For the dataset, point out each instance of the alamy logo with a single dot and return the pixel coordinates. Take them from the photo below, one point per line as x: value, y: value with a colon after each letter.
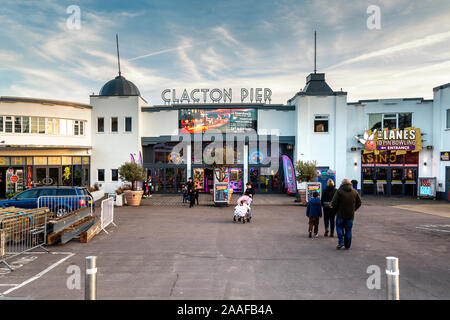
x: 73, y: 22
x: 374, y: 20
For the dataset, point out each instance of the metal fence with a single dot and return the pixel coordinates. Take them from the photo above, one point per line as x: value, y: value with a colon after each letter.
x: 62, y: 205
x: 22, y: 231
x: 107, y: 213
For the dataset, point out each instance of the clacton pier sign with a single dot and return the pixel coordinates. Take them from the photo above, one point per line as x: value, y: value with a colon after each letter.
x: 258, y: 95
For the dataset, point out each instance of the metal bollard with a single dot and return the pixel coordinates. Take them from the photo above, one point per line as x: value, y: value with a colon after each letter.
x: 393, y: 278
x: 90, y: 287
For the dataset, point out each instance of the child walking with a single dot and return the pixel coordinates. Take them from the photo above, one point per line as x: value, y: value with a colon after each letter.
x: 314, y: 212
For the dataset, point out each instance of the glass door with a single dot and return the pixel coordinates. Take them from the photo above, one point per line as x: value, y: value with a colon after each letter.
x: 410, y: 182
x: 368, y: 177
x: 41, y: 175
x: 396, y: 181
x: 53, y: 176
x: 381, y: 176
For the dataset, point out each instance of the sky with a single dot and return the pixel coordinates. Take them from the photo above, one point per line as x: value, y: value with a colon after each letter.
x: 224, y: 44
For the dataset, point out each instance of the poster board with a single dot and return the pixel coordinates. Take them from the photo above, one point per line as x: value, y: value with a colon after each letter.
x: 311, y: 187
x: 427, y: 187
x: 221, y: 194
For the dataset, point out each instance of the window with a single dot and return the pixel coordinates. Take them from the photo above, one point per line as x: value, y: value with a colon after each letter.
x: 1, y: 123
x: 114, y: 175
x: 390, y: 121
x: 128, y: 124
x: 63, y: 127
x: 448, y: 119
x: 381, y: 121
x: 26, y: 124
x: 114, y: 124
x: 375, y: 121
x: 34, y: 124
x: 29, y: 194
x: 101, y: 175
x: 49, y: 126
x: 76, y: 128
x: 42, y: 125
x: 69, y: 127
x: 404, y: 120
x: 100, y: 124
x: 18, y: 124
x: 81, y: 128
x: 47, y: 192
x: 8, y: 124
x: 66, y: 192
x: 320, y: 123
x: 55, y: 126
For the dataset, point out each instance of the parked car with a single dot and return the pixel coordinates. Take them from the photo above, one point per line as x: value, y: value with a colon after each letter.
x: 60, y: 200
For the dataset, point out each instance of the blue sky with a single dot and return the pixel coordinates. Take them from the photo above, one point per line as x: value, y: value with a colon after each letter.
x: 208, y: 44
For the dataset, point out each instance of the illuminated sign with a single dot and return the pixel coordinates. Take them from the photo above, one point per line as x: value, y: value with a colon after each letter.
x: 408, y: 139
x: 216, y: 95
x: 445, y: 156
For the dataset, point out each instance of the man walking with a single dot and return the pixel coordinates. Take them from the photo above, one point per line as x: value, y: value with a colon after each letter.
x: 346, y: 201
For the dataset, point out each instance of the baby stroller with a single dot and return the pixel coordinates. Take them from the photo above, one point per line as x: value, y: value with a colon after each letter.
x: 242, y: 210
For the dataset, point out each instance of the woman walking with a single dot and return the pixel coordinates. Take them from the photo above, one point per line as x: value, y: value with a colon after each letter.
x: 329, y: 213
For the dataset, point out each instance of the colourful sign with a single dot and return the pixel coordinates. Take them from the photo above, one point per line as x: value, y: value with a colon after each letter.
x: 445, y: 156
x: 395, y: 140
x: 14, y: 178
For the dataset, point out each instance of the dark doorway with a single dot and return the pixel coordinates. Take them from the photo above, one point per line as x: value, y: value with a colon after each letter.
x: 2, y: 183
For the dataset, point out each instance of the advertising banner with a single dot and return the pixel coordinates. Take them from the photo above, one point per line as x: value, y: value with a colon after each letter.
x: 395, y: 140
x: 311, y: 187
x: 231, y: 120
x: 427, y: 188
x: 221, y: 192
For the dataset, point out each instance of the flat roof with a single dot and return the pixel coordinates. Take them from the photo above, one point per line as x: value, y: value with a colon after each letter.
x: 393, y: 100
x: 232, y: 105
x: 45, y: 101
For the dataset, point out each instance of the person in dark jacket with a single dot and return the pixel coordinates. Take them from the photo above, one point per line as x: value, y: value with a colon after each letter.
x: 329, y: 213
x: 191, y: 192
x: 346, y: 201
x: 314, y: 212
x: 249, y: 191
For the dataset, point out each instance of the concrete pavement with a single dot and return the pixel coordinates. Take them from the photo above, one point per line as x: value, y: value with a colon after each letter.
x: 162, y: 252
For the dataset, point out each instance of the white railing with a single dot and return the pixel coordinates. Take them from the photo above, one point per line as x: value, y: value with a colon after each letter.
x: 62, y: 205
x: 107, y: 213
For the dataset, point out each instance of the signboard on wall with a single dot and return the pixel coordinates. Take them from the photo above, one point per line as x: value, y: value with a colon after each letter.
x: 221, y: 192
x: 231, y: 120
x: 445, y: 156
x: 311, y: 187
x: 400, y: 140
x: 427, y: 188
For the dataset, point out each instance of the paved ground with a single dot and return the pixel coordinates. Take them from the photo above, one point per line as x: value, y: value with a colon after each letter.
x: 165, y: 252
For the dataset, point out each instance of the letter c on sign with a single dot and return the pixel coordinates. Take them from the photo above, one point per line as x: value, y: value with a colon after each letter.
x: 163, y: 95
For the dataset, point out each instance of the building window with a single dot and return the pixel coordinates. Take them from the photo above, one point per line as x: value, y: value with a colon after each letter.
x: 26, y: 124
x: 448, y: 119
x: 50, y: 126
x: 320, y: 123
x: 114, y: 175
x: 76, y: 128
x: 100, y: 124
x: 114, y: 124
x: 381, y: 121
x: 101, y: 174
x: 18, y: 124
x: 42, y: 125
x: 390, y: 121
x: 1, y: 123
x: 81, y: 128
x: 8, y: 125
x: 128, y: 124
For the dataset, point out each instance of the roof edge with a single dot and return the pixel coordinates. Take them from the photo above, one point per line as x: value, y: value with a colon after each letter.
x: 45, y: 101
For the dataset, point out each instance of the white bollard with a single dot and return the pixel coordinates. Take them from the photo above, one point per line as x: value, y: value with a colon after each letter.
x: 393, y: 278
x: 90, y: 287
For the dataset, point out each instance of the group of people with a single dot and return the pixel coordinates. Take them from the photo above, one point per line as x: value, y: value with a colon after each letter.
x: 339, y: 206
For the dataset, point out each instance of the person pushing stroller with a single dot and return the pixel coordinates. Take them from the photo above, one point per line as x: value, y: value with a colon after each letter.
x: 242, y: 210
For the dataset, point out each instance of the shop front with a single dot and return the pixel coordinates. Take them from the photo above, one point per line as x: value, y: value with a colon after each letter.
x: 390, y: 174
x: 19, y: 173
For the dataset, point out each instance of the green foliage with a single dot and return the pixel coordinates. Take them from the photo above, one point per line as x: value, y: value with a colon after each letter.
x: 131, y: 172
x: 306, y: 171
x: 12, y: 194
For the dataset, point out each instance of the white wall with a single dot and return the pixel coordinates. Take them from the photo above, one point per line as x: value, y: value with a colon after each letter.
x: 327, y: 148
x: 51, y: 111
x: 273, y: 119
x: 155, y: 124
x: 111, y: 150
x: 441, y: 134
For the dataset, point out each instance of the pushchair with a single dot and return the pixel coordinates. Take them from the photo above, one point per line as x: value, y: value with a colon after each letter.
x: 242, y: 210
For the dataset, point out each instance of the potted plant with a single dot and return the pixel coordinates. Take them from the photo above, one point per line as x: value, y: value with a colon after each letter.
x: 305, y: 172
x: 132, y: 172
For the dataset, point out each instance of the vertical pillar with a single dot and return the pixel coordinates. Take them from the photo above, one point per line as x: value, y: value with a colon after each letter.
x: 188, y: 161
x: 245, y: 173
